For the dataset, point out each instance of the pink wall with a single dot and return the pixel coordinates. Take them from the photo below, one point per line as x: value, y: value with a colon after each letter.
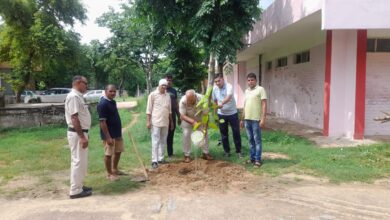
x: 377, y: 92
x: 281, y: 14
x: 295, y: 92
x: 240, y: 83
x: 365, y: 14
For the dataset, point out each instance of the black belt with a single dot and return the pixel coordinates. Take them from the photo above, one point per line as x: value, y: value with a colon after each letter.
x: 73, y: 130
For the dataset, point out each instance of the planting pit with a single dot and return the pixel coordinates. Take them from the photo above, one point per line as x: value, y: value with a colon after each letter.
x: 201, y: 174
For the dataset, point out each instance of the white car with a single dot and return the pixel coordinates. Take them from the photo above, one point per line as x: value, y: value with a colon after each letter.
x: 93, y: 95
x: 54, y: 95
x: 29, y: 96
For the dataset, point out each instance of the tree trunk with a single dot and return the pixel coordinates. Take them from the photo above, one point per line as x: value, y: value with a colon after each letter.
x: 211, y: 70
x: 2, y: 99
x: 148, y: 77
x: 220, y: 68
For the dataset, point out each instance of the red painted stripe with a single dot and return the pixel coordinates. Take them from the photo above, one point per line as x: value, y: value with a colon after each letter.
x: 360, y: 99
x: 328, y: 65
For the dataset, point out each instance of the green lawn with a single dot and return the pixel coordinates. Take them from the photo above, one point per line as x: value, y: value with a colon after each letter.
x: 42, y: 151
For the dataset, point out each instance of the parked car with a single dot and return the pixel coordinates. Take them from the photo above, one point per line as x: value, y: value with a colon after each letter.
x: 54, y: 95
x: 28, y: 96
x: 93, y: 95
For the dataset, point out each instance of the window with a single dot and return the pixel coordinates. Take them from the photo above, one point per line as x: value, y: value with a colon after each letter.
x: 302, y: 57
x: 269, y: 65
x: 282, y: 62
x: 371, y: 45
x: 383, y: 45
x: 378, y: 45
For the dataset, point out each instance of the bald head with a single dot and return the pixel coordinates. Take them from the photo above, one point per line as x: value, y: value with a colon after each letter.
x: 191, y: 97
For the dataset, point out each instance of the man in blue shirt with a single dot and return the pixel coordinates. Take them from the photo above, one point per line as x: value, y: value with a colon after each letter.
x: 175, y: 113
x: 227, y: 111
x: 110, y: 132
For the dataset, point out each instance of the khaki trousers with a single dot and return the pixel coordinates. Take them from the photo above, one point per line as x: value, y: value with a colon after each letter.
x: 187, y: 131
x: 79, y: 162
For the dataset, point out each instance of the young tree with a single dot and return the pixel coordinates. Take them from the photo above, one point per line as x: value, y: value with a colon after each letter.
x: 34, y: 37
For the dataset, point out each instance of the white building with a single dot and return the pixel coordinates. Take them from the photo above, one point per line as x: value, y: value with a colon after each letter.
x: 323, y: 63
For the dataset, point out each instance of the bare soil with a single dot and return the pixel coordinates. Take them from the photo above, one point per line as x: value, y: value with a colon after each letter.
x: 210, y: 190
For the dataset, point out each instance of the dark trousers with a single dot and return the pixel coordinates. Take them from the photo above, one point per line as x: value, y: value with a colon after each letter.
x: 224, y: 129
x: 171, y: 133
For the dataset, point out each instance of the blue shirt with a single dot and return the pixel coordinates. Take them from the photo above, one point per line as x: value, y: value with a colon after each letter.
x: 219, y: 95
x: 108, y: 111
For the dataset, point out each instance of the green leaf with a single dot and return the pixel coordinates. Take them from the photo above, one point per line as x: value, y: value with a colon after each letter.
x: 221, y: 121
x: 213, y: 126
x: 205, y: 119
x: 205, y: 105
x: 196, y: 126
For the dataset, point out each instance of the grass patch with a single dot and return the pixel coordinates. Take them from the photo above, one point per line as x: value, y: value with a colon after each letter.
x: 42, y: 151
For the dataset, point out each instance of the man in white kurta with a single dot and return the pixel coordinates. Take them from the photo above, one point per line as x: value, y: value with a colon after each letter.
x: 159, y: 120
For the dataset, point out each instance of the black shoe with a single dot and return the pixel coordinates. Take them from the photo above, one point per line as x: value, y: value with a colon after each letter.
x: 81, y: 195
x: 86, y: 188
x: 154, y: 165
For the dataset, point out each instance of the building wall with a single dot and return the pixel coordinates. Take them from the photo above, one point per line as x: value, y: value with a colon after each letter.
x: 295, y: 92
x: 377, y: 93
x: 366, y: 14
x: 279, y: 15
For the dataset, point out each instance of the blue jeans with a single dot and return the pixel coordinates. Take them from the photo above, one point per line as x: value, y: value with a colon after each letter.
x: 253, y: 131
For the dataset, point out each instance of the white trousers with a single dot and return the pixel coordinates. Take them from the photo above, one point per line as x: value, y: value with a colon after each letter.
x: 79, y: 163
x: 187, y: 131
x: 159, y: 142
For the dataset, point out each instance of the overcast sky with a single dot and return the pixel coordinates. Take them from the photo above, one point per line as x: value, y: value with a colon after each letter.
x: 96, y: 8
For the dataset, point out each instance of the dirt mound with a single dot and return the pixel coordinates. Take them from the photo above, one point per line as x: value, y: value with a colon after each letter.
x: 201, y: 174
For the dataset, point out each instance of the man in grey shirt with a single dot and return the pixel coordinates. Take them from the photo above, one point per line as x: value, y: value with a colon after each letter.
x: 227, y: 111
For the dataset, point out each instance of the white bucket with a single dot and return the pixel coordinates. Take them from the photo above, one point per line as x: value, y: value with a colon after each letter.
x: 197, y: 138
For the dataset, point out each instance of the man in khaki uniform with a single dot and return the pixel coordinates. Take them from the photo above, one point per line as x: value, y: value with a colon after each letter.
x: 187, y: 109
x: 159, y: 120
x: 78, y: 119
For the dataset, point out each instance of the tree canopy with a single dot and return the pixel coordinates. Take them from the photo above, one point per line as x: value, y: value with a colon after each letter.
x: 36, y: 39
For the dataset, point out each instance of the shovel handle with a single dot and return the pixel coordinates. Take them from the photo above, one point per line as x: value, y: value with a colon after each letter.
x: 137, y: 154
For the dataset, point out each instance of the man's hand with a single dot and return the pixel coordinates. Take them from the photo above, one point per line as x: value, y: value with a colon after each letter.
x: 241, y: 124
x: 84, y: 142
x: 148, y: 125
x: 220, y: 105
x: 171, y: 125
x: 262, y: 123
x: 110, y: 141
x: 194, y: 122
